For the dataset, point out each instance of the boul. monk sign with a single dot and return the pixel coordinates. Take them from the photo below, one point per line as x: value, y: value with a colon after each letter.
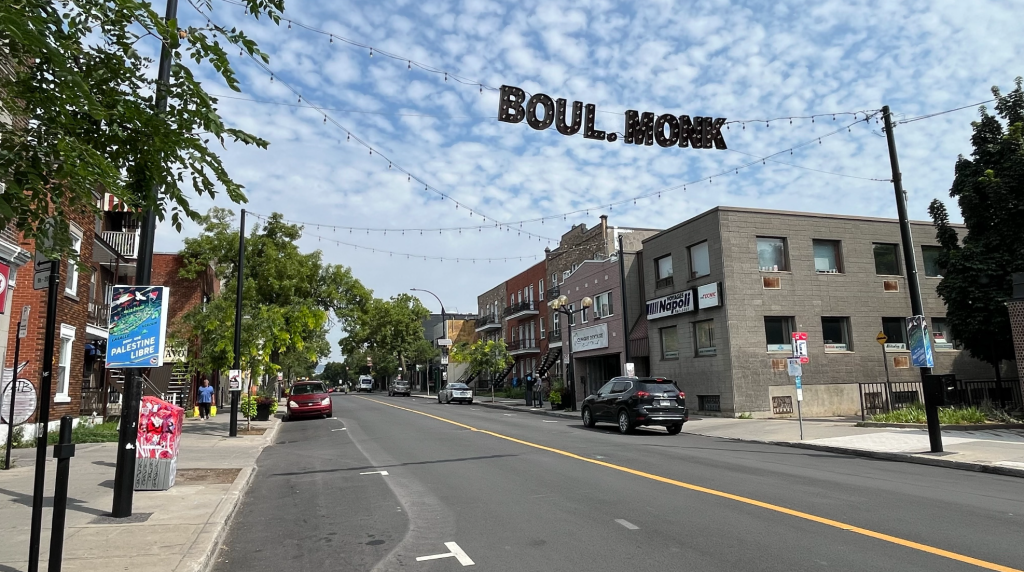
x: 667, y: 130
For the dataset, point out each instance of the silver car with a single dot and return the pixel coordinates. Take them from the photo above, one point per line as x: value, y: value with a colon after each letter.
x: 457, y: 392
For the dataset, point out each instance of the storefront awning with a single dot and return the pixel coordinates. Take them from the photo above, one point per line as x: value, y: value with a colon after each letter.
x: 639, y: 345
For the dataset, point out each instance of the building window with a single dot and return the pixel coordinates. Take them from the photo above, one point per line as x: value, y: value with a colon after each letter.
x: 704, y: 337
x: 700, y: 263
x: 895, y: 331
x: 540, y: 288
x: 67, y: 342
x: 827, y: 257
x: 72, y: 275
x: 663, y: 271
x: 771, y: 254
x: 542, y: 327
x: 835, y: 332
x: 931, y: 261
x: 669, y: 343
x: 778, y: 333
x: 942, y: 337
x: 584, y: 311
x: 887, y: 260
x: 709, y: 402
x: 556, y: 321
x: 554, y: 279
x: 603, y: 305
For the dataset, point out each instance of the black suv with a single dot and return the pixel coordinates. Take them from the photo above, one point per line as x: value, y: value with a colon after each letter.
x: 634, y: 401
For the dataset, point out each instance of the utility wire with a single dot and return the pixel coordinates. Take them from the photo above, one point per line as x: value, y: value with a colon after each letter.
x: 812, y: 169
x: 268, y: 102
x: 930, y: 115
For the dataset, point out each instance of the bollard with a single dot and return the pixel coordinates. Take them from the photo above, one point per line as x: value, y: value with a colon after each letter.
x: 62, y: 451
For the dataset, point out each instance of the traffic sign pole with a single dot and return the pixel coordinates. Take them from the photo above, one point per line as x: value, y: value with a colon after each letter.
x: 881, y: 338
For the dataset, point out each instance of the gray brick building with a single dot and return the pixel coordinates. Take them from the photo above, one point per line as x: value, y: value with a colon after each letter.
x: 725, y: 290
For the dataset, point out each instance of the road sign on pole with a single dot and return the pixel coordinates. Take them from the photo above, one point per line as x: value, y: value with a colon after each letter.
x: 881, y: 338
x: 23, y: 323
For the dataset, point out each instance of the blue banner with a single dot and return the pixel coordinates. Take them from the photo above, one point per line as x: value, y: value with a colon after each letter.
x: 138, y: 326
x: 920, y: 342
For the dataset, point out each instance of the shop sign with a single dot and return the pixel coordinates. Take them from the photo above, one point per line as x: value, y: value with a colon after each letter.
x: 678, y: 303
x: 707, y: 296
x: 639, y: 128
x: 835, y: 347
x: 592, y: 338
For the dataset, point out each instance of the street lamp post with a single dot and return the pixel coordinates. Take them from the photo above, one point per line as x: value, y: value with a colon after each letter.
x: 559, y: 305
x: 444, y: 325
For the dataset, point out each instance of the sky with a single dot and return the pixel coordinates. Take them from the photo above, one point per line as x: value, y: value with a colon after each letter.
x: 435, y: 155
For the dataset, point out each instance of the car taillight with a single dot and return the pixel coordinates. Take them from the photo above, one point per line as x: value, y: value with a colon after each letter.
x: 642, y: 394
x: 682, y: 395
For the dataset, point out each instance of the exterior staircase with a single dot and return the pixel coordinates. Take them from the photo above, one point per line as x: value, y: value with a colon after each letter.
x: 550, y: 359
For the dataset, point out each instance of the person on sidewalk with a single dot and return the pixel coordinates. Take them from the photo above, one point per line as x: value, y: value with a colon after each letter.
x: 538, y: 392
x: 205, y: 399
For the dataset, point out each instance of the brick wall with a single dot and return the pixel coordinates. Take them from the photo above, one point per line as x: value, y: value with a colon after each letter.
x: 185, y: 293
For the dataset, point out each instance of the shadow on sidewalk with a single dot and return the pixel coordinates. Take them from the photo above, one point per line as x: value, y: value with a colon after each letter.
x: 73, y: 504
x: 481, y: 458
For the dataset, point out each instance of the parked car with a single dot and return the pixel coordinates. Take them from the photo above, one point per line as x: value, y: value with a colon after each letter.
x: 399, y: 387
x: 631, y: 402
x: 457, y: 392
x: 365, y: 383
x: 309, y: 399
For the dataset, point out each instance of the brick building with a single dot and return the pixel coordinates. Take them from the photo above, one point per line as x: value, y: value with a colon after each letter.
x: 726, y: 288
x: 489, y: 324
x: 524, y: 318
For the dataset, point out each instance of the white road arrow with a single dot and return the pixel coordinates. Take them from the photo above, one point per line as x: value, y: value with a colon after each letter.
x: 457, y: 552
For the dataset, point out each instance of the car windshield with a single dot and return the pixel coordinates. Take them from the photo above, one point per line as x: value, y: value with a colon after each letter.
x: 307, y: 388
x: 458, y: 386
x: 401, y: 383
x: 664, y: 386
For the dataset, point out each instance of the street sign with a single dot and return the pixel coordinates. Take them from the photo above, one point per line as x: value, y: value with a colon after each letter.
x: 234, y: 380
x: 799, y: 344
x: 881, y: 338
x: 41, y: 278
x: 444, y: 359
x: 630, y: 369
x: 23, y: 327
x: 795, y: 370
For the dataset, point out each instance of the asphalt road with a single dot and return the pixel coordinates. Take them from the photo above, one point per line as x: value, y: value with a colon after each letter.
x: 527, y: 492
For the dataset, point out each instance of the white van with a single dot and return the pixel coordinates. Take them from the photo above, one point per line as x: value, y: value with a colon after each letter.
x: 365, y: 384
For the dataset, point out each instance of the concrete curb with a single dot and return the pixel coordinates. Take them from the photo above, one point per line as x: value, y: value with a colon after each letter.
x: 979, y: 427
x: 523, y: 409
x: 909, y: 458
x: 199, y: 557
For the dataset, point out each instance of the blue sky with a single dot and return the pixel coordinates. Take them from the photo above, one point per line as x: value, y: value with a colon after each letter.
x: 739, y: 60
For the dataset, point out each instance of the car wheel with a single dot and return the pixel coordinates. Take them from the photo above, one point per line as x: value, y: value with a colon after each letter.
x: 624, y: 425
x: 439, y: 398
x: 588, y: 418
x: 448, y: 399
x: 674, y: 429
x: 470, y: 402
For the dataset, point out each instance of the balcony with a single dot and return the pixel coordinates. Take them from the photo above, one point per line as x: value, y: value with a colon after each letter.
x: 523, y: 346
x: 126, y: 243
x: 487, y: 323
x: 552, y: 292
x: 528, y: 308
x: 555, y: 338
x: 98, y: 315
x: 665, y: 282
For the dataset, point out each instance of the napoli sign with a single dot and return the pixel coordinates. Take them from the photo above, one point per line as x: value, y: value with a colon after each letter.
x: 667, y: 130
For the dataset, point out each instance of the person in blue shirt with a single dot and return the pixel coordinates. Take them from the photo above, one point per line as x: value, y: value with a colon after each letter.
x: 205, y: 399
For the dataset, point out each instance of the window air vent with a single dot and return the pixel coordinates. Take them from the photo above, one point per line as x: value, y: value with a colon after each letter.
x: 890, y: 285
x: 771, y: 282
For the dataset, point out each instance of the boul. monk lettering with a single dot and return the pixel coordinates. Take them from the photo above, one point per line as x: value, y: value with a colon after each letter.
x: 667, y: 130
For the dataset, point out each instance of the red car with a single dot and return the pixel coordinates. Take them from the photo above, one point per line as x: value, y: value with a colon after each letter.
x: 309, y: 399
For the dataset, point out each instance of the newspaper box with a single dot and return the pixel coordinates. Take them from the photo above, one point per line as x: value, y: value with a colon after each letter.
x: 157, y: 447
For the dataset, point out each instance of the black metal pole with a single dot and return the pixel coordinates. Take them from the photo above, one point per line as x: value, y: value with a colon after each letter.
x: 14, y: 392
x: 43, y: 418
x: 913, y: 284
x: 62, y: 451
x: 240, y: 280
x: 625, y: 312
x: 572, y: 367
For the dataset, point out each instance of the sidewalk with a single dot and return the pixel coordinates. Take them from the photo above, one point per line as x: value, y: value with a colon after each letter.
x: 174, y: 530
x: 990, y: 450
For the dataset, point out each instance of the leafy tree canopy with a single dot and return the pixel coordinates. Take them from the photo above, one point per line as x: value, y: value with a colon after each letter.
x: 80, y: 94
x: 334, y: 372
x: 483, y: 355
x: 390, y: 332
x: 989, y: 189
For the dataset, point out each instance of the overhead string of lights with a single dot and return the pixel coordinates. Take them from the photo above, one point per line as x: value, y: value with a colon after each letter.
x: 411, y: 256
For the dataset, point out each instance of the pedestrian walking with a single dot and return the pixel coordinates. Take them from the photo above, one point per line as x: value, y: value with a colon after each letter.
x: 538, y: 392
x: 205, y: 399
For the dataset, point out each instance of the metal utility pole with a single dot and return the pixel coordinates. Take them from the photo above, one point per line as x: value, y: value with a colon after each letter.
x: 625, y: 312
x: 444, y: 324
x: 43, y: 418
x: 913, y: 284
x: 128, y: 434
x: 239, y: 279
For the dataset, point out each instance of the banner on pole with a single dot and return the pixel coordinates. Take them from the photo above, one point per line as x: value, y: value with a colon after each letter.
x: 138, y: 326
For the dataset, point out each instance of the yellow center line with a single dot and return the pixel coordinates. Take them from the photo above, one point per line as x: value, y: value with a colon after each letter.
x: 776, y: 508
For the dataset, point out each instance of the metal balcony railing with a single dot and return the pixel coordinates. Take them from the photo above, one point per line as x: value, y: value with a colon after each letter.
x: 554, y: 336
x: 521, y: 345
x: 522, y: 307
x: 553, y: 292
x: 487, y: 322
x: 98, y: 315
x: 126, y: 243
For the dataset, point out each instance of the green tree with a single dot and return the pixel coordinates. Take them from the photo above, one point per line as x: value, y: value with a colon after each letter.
x: 333, y: 373
x: 289, y: 298
x: 390, y: 332
x: 989, y: 189
x: 81, y: 96
x: 489, y: 356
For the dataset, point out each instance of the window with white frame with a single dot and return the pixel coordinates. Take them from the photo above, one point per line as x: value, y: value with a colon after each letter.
x: 540, y: 287
x: 67, y: 342
x: 72, y: 275
x: 603, y: 305
x: 585, y: 313
x: 556, y: 322
x: 554, y: 279
x: 542, y: 326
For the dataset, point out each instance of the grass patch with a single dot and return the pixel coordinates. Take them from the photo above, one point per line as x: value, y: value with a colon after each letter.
x: 947, y: 415
x: 83, y: 433
x: 514, y: 392
x: 745, y: 416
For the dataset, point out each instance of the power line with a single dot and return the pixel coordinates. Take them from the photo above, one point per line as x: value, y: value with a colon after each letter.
x: 811, y: 169
x: 410, y: 256
x: 268, y: 102
x: 930, y: 115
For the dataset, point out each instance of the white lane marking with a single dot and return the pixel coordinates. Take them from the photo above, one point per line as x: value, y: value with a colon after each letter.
x: 546, y: 421
x: 381, y: 473
x: 627, y: 524
x: 508, y: 414
x: 457, y: 552
x: 342, y: 429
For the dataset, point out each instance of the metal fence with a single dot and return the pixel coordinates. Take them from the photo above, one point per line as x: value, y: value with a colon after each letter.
x: 883, y: 397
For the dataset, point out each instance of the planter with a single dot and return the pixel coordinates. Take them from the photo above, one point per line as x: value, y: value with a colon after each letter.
x: 556, y: 407
x: 263, y: 411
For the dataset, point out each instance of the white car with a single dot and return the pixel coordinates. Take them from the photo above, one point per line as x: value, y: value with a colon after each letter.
x: 365, y: 384
x: 457, y: 392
